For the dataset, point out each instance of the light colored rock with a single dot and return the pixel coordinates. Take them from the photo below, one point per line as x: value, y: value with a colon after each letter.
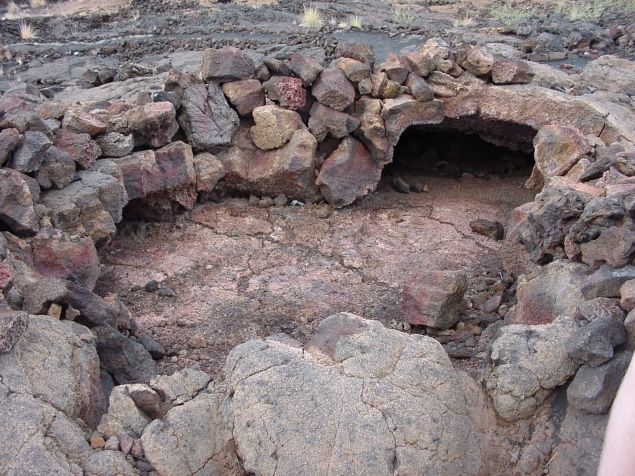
x: 627, y: 293
x: 528, y: 361
x: 181, y: 386
x: 209, y: 171
x: 193, y: 439
x: 274, y: 126
x: 369, y: 398
x: 123, y: 416
x: 558, y: 148
x: 609, y: 73
x: 405, y: 111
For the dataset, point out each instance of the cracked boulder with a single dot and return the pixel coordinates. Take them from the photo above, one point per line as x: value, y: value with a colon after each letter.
x: 206, y: 117
x: 528, y: 361
x: 359, y: 399
x: 152, y: 124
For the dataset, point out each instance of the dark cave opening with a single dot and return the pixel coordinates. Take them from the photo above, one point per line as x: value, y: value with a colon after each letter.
x: 454, y: 148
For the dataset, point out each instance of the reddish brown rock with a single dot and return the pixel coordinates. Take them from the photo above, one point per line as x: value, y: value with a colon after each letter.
x: 405, y: 111
x: 56, y: 254
x: 396, y: 67
x: 245, y: 95
x: 614, y: 246
x: 420, y: 64
x: 82, y: 122
x: 326, y: 120
x: 627, y: 295
x: 274, y: 126
x: 348, y: 173
x: 307, y: 69
x: 435, y: 299
x: 6, y: 277
x: 382, y: 87
x: 289, y: 92
x: 23, y: 121
x: 289, y: 170
x: 357, y: 51
x: 82, y: 149
x: 511, y: 71
x: 16, y: 204
x: 354, y: 70
x: 549, y: 292
x: 479, y: 62
x: 226, y: 64
x: 9, y: 139
x: 333, y: 89
x: 557, y: 148
x: 372, y: 130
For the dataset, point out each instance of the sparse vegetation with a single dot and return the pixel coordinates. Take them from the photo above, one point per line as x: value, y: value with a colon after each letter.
x: 26, y: 31
x: 592, y: 10
x: 463, y: 22
x: 312, y: 17
x: 402, y: 16
x: 510, y: 12
x: 38, y: 4
x: 13, y: 8
x: 356, y: 22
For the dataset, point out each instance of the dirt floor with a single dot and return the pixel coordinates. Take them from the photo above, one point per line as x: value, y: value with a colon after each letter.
x: 240, y: 271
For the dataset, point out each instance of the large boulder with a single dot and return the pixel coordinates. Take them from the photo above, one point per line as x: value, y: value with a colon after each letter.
x: 557, y: 148
x: 17, y: 212
x: 549, y: 292
x: 348, y: 173
x: 245, y: 95
x: 274, y: 126
x: 333, y: 89
x: 57, y: 254
x: 435, y: 299
x: 159, y: 182
x: 152, y: 124
x: 609, y: 73
x: 336, y: 396
x: 206, y: 117
x: 29, y: 153
x: 226, y: 64
x: 325, y: 120
x: 528, y: 361
x: 289, y: 170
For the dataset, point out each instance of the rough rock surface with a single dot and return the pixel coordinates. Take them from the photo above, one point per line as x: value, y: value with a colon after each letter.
x: 333, y: 89
x: 435, y: 299
x: 12, y: 325
x: 226, y: 64
x: 16, y: 204
x: 245, y: 95
x: 343, y: 412
x: 348, y: 173
x: 558, y: 148
x: 527, y: 363
x: 274, y: 126
x: 549, y: 292
x: 206, y: 117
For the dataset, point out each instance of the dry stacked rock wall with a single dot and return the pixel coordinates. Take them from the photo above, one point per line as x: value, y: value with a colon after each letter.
x: 307, y: 131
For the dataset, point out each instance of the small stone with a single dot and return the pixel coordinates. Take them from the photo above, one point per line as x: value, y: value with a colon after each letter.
x: 165, y: 291
x: 125, y: 443
x: 492, y: 229
x: 197, y: 342
x: 280, y: 200
x: 112, y: 444
x: 253, y: 200
x: 627, y: 293
x: 400, y: 185
x: 151, y: 286
x: 97, y: 442
x: 156, y: 350
x: 265, y: 202
x: 55, y: 311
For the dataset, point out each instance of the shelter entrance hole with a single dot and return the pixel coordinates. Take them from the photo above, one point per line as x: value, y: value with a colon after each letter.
x: 454, y: 149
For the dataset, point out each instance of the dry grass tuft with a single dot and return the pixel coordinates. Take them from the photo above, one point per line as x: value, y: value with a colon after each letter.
x: 35, y: 4
x: 510, y: 13
x: 463, y: 22
x: 26, y: 31
x: 356, y: 22
x: 312, y: 18
x: 13, y: 8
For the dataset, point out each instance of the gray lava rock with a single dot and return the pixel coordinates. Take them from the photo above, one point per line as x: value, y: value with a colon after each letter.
x: 206, y: 117
x: 593, y: 344
x: 333, y: 89
x: 181, y: 386
x: 127, y: 361
x: 306, y: 68
x: 17, y: 212
x: 226, y: 64
x: 606, y: 281
x: 115, y: 144
x: 600, y: 307
x: 9, y: 139
x: 527, y: 362
x: 156, y: 350
x: 29, y: 154
x: 57, y: 169
x: 594, y: 388
x: 124, y: 416
x: 12, y: 325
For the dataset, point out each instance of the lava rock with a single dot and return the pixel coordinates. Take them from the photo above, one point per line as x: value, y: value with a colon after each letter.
x: 82, y: 149
x: 245, y: 95
x: 492, y: 229
x: 324, y: 120
x: 274, y: 126
x: 593, y: 344
x: 511, y: 71
x: 29, y: 154
x: 12, y: 325
x: 115, y: 145
x: 226, y: 64
x: 607, y: 281
x: 333, y: 89
x: 289, y: 92
x: 306, y: 68
x: 82, y: 122
x: 57, y: 169
x: 600, y: 307
x: 17, y: 210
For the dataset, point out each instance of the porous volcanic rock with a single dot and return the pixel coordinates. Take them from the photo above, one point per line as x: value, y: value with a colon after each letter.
x: 306, y: 68
x: 29, y: 154
x: 479, y: 61
x: 78, y: 121
x: 348, y: 173
x: 289, y: 92
x: 511, y: 71
x: 405, y: 111
x: 357, y: 51
x: 274, y: 126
